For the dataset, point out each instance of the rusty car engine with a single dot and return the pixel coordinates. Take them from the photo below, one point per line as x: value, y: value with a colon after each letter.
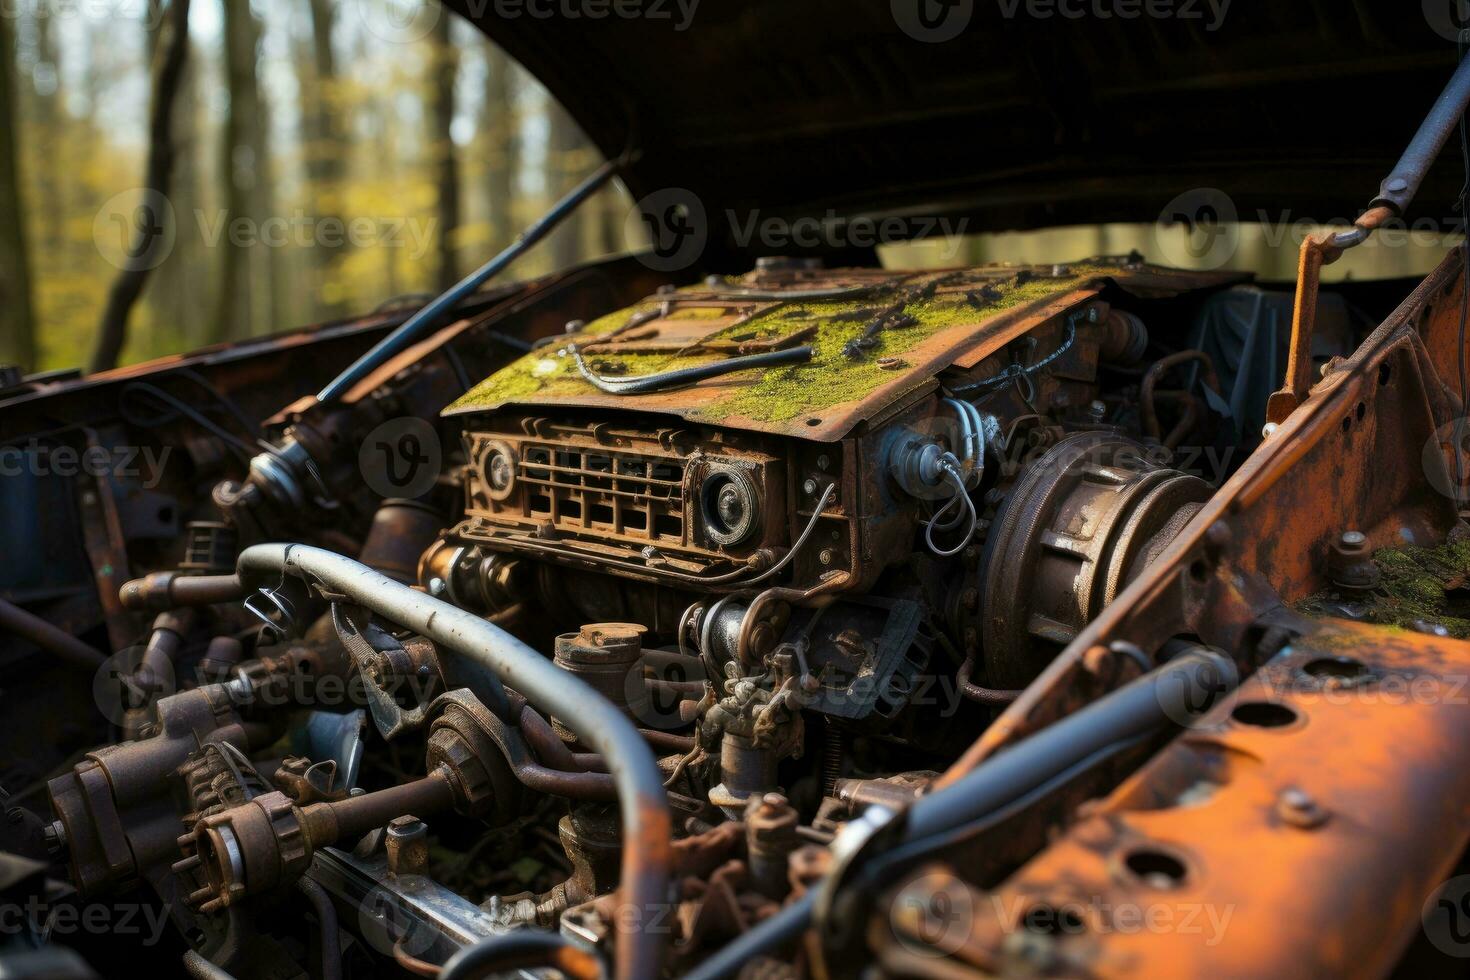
x: 792, y: 615
x: 699, y: 586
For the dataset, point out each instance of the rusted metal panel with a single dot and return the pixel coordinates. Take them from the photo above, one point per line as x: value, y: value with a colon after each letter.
x: 1297, y: 830
x: 1354, y: 451
x: 957, y: 318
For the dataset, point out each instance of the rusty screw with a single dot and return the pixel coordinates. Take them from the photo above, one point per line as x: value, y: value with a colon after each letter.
x: 407, y: 845
x: 1350, y: 566
x: 1296, y: 807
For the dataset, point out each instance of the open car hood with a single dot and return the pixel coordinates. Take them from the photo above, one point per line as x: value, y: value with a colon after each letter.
x: 1297, y: 110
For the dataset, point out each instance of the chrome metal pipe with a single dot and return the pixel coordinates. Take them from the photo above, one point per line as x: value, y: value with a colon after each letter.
x: 647, y: 823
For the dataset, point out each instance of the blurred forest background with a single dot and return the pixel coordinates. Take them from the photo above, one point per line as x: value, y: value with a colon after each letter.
x: 321, y: 158
x: 395, y: 147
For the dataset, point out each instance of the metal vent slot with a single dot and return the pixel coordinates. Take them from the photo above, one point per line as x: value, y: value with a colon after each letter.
x: 580, y: 489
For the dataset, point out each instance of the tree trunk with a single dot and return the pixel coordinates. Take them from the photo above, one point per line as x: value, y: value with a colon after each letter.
x: 47, y: 106
x: 501, y: 128
x: 238, y: 170
x: 178, y: 290
x: 443, y: 69
x: 564, y: 141
x: 17, y: 330
x: 143, y: 254
x: 323, y: 149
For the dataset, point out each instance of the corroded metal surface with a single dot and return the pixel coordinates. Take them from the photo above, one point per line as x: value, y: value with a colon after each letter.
x: 1297, y: 830
x: 863, y: 361
x: 1354, y: 452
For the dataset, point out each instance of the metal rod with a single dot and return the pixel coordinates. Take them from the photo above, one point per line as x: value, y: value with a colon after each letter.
x: 684, y: 377
x: 19, y: 622
x: 1142, y: 705
x: 430, y: 315
x: 162, y: 591
x: 647, y: 822
x: 1400, y: 186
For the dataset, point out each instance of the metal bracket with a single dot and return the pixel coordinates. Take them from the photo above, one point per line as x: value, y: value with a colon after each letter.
x: 1317, y: 252
x: 365, y: 642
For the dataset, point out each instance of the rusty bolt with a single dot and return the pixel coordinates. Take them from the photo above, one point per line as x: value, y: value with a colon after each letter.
x: 1296, y: 807
x: 809, y: 488
x: 407, y: 845
x: 826, y: 556
x: 1350, y: 565
x: 970, y: 599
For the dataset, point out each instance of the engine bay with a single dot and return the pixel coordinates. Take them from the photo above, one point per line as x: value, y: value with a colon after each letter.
x: 702, y: 581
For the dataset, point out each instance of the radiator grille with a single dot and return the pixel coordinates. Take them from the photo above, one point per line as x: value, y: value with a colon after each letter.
x: 579, y: 489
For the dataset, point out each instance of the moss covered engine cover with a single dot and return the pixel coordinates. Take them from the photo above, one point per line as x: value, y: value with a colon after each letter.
x: 926, y: 322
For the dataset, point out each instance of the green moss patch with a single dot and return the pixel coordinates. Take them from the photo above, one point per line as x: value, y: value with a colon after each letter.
x: 1427, y: 584
x: 784, y: 393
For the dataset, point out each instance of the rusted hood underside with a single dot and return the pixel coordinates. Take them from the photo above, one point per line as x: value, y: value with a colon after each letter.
x: 927, y: 322
x: 1010, y: 114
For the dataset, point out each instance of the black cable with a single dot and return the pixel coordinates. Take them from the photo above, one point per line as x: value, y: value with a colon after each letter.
x: 913, y: 849
x: 176, y: 408
x: 228, y: 404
